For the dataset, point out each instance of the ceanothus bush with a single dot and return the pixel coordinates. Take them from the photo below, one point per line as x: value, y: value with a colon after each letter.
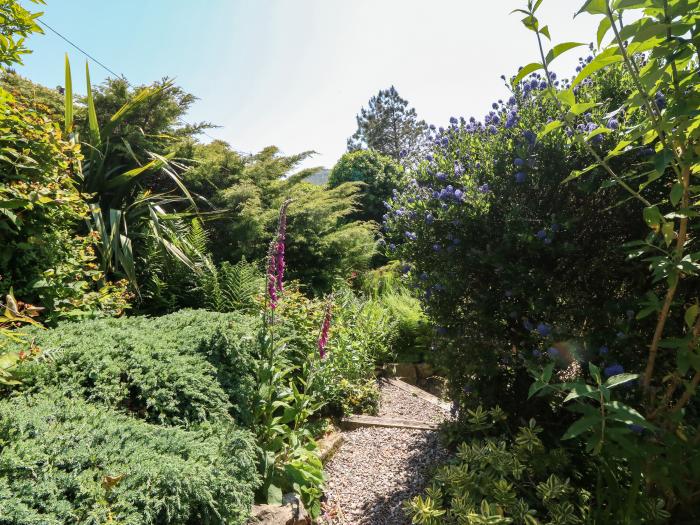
x: 515, y: 268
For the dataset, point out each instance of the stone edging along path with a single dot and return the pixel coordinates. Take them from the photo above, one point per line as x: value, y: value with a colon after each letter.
x: 384, y: 459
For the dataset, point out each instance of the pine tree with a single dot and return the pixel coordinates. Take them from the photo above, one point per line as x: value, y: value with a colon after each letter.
x: 390, y: 127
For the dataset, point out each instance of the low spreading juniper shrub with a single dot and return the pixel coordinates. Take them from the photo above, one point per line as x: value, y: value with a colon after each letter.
x: 65, y: 461
x: 180, y: 369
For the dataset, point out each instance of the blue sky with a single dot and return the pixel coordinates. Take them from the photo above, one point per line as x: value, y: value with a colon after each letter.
x: 294, y: 73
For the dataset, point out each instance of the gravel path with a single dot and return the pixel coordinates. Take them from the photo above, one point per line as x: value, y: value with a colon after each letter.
x: 394, y: 402
x: 377, y: 469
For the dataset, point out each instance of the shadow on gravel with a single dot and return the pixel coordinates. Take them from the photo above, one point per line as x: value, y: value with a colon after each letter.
x: 424, y: 455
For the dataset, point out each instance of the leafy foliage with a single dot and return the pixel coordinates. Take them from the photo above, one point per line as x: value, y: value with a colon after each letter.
x: 68, y: 461
x: 326, y: 244
x: 124, y: 212
x: 379, y: 173
x: 532, y: 254
x: 40, y: 209
x: 496, y: 482
x: 18, y: 23
x: 15, y: 314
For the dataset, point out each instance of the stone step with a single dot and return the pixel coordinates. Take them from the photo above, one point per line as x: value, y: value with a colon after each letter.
x: 419, y: 392
x: 352, y: 422
x: 329, y: 445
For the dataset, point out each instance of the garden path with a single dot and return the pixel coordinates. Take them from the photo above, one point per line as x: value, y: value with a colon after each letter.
x: 378, y: 468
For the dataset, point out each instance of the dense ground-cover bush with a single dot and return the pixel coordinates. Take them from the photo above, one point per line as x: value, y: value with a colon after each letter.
x: 180, y: 369
x: 65, y: 461
x: 499, y: 480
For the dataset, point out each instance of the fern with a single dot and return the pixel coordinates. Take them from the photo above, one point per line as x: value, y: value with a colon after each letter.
x: 231, y: 287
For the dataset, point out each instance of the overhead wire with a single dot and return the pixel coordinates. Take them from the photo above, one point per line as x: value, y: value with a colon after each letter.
x: 76, y: 46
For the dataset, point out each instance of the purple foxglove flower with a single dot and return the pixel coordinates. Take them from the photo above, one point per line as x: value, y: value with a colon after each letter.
x: 325, y: 327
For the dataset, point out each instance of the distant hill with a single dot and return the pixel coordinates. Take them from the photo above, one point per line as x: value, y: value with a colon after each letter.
x: 319, y: 178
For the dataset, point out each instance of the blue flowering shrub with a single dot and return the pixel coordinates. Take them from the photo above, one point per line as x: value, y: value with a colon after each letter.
x: 500, y: 263
x: 552, y: 241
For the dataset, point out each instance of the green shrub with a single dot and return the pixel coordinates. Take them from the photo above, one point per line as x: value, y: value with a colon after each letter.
x: 64, y: 461
x: 497, y: 481
x: 40, y: 210
x: 412, y: 332
x: 182, y: 368
x: 361, y: 332
x: 360, y: 335
x: 380, y: 174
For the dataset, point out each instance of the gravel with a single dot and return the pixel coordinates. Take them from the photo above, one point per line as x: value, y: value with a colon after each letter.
x: 394, y: 402
x: 377, y: 469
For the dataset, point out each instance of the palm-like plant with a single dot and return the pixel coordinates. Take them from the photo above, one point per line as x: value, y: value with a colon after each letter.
x: 112, y: 177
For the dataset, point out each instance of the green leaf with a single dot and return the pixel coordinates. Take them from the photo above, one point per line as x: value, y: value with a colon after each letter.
x: 668, y: 232
x: 526, y: 70
x: 603, y: 28
x: 661, y: 160
x: 567, y: 97
x: 578, y: 109
x: 581, y: 390
x: 274, y: 495
x: 629, y: 4
x: 68, y: 107
x: 620, y: 379
x: 545, y: 32
x: 555, y: 124
x: 595, y: 372
x: 652, y: 216
x: 535, y: 387
x: 596, y: 64
x: 92, y: 114
x: 597, y: 131
x: 531, y: 23
x: 626, y: 414
x: 577, y: 173
x: 581, y: 426
x: 547, y: 372
x: 594, y: 7
x: 691, y: 314
x: 560, y: 49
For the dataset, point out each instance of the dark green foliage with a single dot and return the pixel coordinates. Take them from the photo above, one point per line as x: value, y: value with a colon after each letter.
x: 390, y: 127
x: 324, y: 244
x: 488, y: 279
x: 180, y: 369
x: 65, y: 461
x: 379, y: 173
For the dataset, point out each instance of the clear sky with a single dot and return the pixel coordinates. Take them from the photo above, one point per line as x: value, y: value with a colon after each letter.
x: 294, y: 73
